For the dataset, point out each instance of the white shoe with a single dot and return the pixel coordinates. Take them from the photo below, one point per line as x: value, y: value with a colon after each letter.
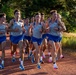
x: 61, y: 56
x: 21, y: 67
x: 55, y: 66
x: 50, y: 59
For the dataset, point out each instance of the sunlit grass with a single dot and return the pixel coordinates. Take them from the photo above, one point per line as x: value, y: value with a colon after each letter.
x: 69, y: 44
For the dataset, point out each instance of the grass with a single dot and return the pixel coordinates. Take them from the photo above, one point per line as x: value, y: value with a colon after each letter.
x: 69, y: 44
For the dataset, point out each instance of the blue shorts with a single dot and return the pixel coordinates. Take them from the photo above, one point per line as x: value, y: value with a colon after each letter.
x: 54, y: 38
x: 60, y: 38
x: 27, y: 38
x: 16, y: 39
x: 2, y: 38
x: 38, y: 40
x: 44, y: 36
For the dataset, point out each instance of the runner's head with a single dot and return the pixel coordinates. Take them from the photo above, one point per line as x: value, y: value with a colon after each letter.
x: 2, y: 17
x: 38, y: 17
x: 17, y: 14
x: 53, y: 14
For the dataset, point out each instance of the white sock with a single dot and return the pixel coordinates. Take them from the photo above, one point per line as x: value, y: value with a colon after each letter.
x: 50, y: 58
x: 19, y: 59
x: 13, y: 55
x: 2, y: 62
x: 39, y: 63
x: 21, y: 62
x: 41, y: 58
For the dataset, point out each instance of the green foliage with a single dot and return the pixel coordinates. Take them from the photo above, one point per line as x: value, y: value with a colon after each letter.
x: 8, y: 11
x: 67, y: 8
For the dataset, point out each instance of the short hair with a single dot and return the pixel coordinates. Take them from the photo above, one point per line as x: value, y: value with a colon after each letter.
x: 2, y: 14
x: 16, y: 11
x: 42, y: 13
x: 53, y: 11
x: 38, y: 13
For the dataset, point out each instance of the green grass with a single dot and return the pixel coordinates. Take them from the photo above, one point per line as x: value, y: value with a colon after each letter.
x: 69, y: 42
x: 69, y: 45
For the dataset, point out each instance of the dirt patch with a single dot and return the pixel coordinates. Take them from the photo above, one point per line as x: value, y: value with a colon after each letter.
x: 66, y: 66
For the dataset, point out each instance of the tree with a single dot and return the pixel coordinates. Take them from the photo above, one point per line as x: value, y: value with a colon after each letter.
x: 67, y: 8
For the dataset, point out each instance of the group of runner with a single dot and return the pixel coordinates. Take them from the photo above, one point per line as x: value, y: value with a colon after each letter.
x: 32, y: 37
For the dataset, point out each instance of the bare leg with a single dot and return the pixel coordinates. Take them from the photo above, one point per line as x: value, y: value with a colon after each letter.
x: 53, y: 53
x: 21, y: 59
x: 37, y: 52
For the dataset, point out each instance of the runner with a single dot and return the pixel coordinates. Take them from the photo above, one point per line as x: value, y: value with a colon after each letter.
x: 16, y: 36
x: 37, y: 38
x: 3, y: 29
